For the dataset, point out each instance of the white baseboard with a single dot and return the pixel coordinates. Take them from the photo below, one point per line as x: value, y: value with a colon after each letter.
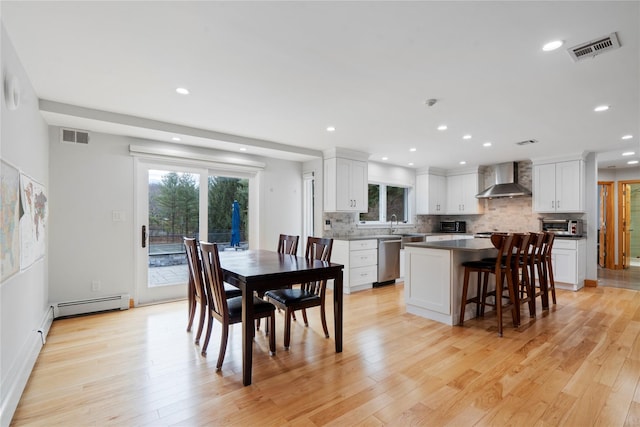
x: 13, y: 385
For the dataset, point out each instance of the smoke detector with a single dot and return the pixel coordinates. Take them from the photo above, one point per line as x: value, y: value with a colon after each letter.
x: 431, y: 102
x: 594, y: 47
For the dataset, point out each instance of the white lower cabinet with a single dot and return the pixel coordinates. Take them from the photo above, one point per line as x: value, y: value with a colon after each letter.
x: 360, y: 260
x: 568, y: 258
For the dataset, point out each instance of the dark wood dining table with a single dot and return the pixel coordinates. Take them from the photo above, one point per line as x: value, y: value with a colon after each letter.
x: 261, y: 270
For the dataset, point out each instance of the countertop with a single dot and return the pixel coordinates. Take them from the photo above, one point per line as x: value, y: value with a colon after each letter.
x: 455, y: 245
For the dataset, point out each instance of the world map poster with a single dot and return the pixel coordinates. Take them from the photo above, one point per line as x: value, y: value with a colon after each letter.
x: 9, y: 220
x: 33, y: 222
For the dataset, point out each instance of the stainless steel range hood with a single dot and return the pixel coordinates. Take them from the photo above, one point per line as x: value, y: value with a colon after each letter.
x: 506, y: 183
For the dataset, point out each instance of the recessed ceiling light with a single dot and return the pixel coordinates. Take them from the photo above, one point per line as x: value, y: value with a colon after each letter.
x: 182, y: 91
x: 175, y: 138
x: 463, y: 162
x: 552, y: 45
x: 632, y: 162
x: 629, y: 153
x: 412, y: 149
x: 385, y: 158
x: 600, y: 108
x: 243, y: 148
x: 331, y: 129
x: 442, y: 127
x: 467, y: 136
x: 411, y: 164
x: 627, y: 137
x: 486, y: 144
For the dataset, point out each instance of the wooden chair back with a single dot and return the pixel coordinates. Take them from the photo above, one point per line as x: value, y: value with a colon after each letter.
x: 547, y: 244
x: 288, y: 244
x: 318, y: 249
x: 213, y: 281
x: 195, y: 271
x: 504, y: 244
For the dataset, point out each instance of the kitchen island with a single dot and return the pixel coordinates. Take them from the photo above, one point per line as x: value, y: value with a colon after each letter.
x: 434, y: 275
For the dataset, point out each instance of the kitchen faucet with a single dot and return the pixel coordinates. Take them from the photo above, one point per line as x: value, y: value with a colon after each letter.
x: 393, y: 216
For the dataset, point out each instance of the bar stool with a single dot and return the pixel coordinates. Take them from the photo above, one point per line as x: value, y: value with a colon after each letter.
x: 501, y: 269
x: 524, y: 284
x: 536, y: 265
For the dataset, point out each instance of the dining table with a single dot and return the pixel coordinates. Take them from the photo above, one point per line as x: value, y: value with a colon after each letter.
x: 263, y: 270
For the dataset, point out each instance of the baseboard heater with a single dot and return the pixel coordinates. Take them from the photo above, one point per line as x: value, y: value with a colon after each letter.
x: 93, y: 305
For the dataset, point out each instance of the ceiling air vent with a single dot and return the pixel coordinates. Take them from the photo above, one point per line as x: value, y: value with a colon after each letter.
x: 74, y: 136
x: 594, y: 47
x: 527, y: 142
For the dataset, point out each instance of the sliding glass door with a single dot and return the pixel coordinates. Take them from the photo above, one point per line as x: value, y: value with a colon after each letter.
x: 174, y: 202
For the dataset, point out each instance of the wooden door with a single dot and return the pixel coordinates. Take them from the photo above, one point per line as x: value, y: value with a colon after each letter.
x: 625, y: 236
x: 606, y: 228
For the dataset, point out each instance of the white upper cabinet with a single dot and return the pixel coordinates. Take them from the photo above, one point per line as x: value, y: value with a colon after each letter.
x: 345, y: 185
x: 558, y: 187
x: 431, y: 191
x: 461, y: 194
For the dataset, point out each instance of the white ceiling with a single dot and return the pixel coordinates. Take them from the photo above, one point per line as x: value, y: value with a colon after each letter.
x: 271, y: 76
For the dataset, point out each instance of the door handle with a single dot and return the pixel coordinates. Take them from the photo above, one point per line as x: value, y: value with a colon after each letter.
x: 144, y: 236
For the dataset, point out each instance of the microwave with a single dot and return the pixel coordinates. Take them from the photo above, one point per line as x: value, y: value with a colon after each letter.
x: 562, y: 227
x: 453, y: 227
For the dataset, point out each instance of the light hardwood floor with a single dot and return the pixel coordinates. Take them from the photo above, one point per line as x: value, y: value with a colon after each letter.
x: 576, y: 365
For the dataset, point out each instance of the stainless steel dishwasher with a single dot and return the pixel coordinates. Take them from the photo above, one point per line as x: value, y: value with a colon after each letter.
x: 388, y: 260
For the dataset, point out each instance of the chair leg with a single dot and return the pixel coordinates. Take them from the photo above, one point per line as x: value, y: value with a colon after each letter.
x: 272, y: 336
x: 203, y: 350
x: 223, y: 346
x: 287, y: 328
x: 304, y: 316
x: 203, y: 313
x: 499, y: 302
x: 192, y: 313
x: 513, y: 300
x: 463, y: 304
x: 485, y: 291
x: 323, y: 318
x: 550, y: 280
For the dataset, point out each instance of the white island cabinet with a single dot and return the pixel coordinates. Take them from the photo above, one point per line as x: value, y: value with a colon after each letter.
x: 434, y: 275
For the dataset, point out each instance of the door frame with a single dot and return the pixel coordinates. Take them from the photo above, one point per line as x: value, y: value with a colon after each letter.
x: 624, y: 245
x: 141, y: 206
x: 609, y: 236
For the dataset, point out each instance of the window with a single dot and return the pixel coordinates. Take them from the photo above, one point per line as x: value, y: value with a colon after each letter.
x: 385, y: 201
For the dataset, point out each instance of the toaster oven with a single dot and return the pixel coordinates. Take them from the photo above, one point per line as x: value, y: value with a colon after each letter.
x: 562, y: 227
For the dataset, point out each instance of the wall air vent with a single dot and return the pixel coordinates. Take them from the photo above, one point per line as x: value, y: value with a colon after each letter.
x: 527, y: 142
x: 594, y: 47
x: 74, y: 136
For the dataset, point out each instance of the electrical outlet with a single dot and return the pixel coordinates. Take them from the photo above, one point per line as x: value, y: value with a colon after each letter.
x: 95, y: 285
x: 327, y: 225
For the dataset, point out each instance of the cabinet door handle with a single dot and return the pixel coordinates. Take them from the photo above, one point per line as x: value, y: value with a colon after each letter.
x: 558, y: 204
x: 553, y: 204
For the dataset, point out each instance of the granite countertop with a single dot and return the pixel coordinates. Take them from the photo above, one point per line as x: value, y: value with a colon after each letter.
x: 455, y: 245
x: 389, y: 236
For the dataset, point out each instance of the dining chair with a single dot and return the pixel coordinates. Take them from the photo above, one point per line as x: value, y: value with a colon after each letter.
x: 287, y: 244
x: 196, y: 292
x: 309, y: 295
x: 227, y: 311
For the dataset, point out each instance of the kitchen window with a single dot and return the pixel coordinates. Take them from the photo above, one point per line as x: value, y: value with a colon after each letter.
x: 385, y: 201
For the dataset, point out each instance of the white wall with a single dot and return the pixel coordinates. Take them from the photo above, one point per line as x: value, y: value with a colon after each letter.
x: 280, y: 201
x: 88, y: 182
x: 24, y: 296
